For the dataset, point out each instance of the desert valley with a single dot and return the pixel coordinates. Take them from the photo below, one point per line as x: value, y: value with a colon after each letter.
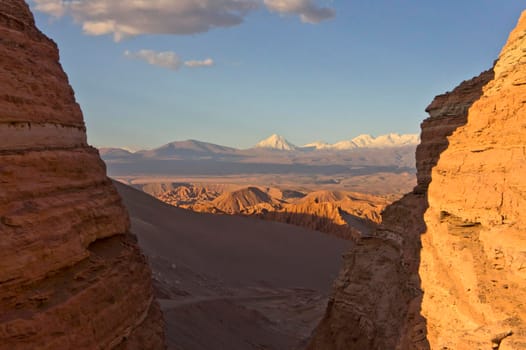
x: 338, y: 189
x: 399, y: 241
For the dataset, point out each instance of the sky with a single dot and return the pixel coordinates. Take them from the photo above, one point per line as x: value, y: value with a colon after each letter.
x: 233, y: 72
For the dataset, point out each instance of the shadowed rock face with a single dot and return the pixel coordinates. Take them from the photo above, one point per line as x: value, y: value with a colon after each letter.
x: 446, y: 269
x: 446, y: 113
x: 71, y: 276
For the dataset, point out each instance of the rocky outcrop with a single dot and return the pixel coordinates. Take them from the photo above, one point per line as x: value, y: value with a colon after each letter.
x: 343, y: 214
x: 187, y: 196
x: 323, y: 217
x: 446, y: 113
x: 377, y: 296
x: 473, y: 264
x: 446, y: 268
x: 340, y: 213
x: 244, y: 201
x: 71, y: 276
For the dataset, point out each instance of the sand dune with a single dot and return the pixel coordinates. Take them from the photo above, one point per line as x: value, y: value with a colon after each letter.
x: 240, y: 250
x: 216, y: 272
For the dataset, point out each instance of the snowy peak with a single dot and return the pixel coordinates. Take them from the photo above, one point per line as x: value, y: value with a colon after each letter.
x: 276, y: 142
x: 317, y: 145
x: 343, y: 145
x: 385, y: 141
x: 363, y: 140
x: 368, y: 141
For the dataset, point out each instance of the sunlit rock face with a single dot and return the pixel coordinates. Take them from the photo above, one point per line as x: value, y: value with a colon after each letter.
x: 71, y: 276
x: 474, y: 251
x: 377, y: 297
x: 447, y: 268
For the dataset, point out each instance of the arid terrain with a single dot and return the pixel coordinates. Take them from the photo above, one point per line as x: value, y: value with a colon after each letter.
x: 338, y: 189
x: 377, y: 183
x: 340, y: 213
x: 244, y: 244
x: 446, y: 267
x: 71, y: 274
x: 230, y: 282
x: 368, y: 243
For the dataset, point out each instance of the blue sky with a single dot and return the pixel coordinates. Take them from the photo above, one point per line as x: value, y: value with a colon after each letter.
x: 244, y: 69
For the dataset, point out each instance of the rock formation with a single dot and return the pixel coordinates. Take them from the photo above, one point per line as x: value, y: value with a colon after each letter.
x: 244, y: 201
x: 186, y: 196
x: 71, y: 276
x: 361, y: 205
x: 473, y: 264
x: 323, y: 217
x: 446, y: 270
x: 343, y: 214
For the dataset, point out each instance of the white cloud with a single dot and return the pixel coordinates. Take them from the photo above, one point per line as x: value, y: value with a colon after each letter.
x: 127, y: 18
x: 135, y: 17
x: 308, y: 11
x: 51, y: 7
x: 166, y: 59
x: 197, y: 64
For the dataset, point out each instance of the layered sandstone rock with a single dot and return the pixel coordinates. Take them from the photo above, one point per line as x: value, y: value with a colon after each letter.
x: 71, y: 277
x: 473, y: 264
x: 461, y: 284
x: 446, y: 113
x: 376, y: 299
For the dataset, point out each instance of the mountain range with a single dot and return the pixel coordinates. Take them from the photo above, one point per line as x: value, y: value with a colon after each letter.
x: 275, y: 155
x: 368, y: 141
x: 274, y: 142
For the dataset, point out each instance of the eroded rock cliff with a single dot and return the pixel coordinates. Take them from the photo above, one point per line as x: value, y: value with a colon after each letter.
x: 71, y: 276
x: 473, y: 264
x: 446, y: 269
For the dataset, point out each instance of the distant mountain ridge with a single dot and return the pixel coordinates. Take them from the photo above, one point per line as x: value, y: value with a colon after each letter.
x: 187, y: 148
x: 275, y: 154
x: 274, y: 142
x: 368, y: 141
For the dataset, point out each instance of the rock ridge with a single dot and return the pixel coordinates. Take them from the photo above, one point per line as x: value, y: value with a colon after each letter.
x: 71, y: 275
x: 474, y: 251
x: 446, y: 268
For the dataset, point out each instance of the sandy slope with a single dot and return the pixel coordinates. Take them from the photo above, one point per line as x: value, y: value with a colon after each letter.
x: 230, y: 282
x: 344, y: 214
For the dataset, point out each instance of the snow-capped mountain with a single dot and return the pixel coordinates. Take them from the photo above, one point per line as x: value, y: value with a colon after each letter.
x: 363, y: 140
x: 276, y: 142
x: 395, y: 140
x: 192, y: 149
x: 317, y: 145
x: 344, y: 145
x: 368, y: 141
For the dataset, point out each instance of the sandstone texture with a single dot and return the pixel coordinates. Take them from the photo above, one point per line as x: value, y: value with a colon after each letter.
x: 446, y: 268
x: 473, y: 264
x: 71, y: 276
